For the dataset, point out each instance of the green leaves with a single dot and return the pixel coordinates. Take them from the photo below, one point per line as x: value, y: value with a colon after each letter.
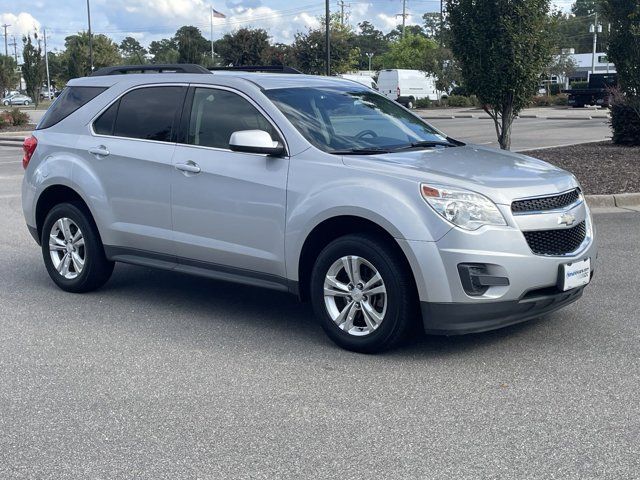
x: 502, y: 47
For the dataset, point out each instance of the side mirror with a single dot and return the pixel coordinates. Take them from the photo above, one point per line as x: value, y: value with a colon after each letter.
x: 255, y: 141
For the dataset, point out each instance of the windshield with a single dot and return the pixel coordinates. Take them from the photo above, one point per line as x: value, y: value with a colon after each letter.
x: 343, y: 119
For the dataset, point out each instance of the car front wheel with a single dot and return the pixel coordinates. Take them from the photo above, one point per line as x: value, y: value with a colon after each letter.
x: 72, y: 250
x: 363, y: 293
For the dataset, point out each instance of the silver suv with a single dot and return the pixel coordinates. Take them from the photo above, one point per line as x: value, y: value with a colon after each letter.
x: 315, y: 186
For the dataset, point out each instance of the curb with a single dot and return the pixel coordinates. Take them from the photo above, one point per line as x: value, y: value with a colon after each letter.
x: 10, y: 144
x: 619, y: 200
x: 525, y: 116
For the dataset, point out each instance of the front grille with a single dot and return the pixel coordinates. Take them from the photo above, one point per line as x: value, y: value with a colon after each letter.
x: 556, y: 242
x: 541, y: 204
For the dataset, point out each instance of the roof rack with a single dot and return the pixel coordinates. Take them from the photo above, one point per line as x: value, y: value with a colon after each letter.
x: 159, y: 68
x: 258, y: 68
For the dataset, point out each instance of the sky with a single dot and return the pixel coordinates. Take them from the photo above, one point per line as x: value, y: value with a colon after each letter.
x: 149, y: 20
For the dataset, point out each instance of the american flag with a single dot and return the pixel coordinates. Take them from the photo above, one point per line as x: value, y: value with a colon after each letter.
x: 217, y: 14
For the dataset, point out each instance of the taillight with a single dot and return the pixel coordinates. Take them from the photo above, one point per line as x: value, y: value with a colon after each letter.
x: 398, y: 90
x: 29, y: 146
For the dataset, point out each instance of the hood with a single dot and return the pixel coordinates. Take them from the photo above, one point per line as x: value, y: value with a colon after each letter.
x: 500, y: 175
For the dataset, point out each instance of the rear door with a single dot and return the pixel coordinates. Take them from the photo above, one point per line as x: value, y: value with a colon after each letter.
x: 228, y: 207
x: 130, y: 151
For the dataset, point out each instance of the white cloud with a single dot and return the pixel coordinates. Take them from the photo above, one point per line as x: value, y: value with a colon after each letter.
x: 21, y: 24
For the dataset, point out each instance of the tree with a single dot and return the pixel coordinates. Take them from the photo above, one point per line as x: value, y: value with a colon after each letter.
x: 164, y: 51
x: 502, y: 47
x: 192, y: 46
x: 584, y: 8
x: 414, y: 52
x: 309, y: 49
x: 370, y: 40
x: 243, y: 47
x: 132, y: 52
x: 33, y: 69
x: 9, y: 77
x: 561, y: 66
x: 76, y: 54
x: 277, y: 54
x: 396, y: 33
x: 624, y: 52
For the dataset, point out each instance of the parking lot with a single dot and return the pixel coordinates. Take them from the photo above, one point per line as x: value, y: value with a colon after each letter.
x: 160, y: 375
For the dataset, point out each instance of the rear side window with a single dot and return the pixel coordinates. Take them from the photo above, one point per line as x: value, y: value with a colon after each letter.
x: 150, y: 113
x: 70, y: 100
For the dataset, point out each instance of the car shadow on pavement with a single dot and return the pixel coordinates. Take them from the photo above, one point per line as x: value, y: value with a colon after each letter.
x: 271, y: 314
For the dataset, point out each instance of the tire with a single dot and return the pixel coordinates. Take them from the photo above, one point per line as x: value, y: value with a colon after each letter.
x: 77, y: 277
x: 5, y: 103
x: 410, y: 104
x: 396, y: 309
x: 26, y: 103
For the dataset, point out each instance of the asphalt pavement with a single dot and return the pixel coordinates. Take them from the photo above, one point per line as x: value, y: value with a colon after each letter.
x: 160, y: 375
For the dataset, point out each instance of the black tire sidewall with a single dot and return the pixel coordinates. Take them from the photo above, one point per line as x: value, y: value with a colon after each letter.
x: 396, y: 318
x: 95, y: 262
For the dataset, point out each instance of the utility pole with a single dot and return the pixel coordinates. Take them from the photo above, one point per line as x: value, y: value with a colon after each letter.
x: 6, y: 47
x: 211, y: 37
x: 15, y: 49
x: 595, y: 29
x: 46, y: 63
x: 404, y: 15
x: 327, y: 18
x: 90, y: 38
x: 441, y: 22
x: 342, y: 5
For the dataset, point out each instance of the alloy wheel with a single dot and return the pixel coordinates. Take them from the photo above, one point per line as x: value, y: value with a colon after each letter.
x: 355, y: 295
x: 67, y: 249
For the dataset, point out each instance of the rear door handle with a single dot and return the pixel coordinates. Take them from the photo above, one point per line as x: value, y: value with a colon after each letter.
x: 189, y: 167
x: 100, y: 151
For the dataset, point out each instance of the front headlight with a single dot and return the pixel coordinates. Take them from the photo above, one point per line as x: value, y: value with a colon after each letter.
x: 463, y: 208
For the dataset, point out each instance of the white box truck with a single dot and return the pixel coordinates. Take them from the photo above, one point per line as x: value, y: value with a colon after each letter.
x: 407, y: 86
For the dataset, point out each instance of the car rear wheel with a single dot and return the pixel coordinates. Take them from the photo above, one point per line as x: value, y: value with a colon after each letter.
x: 72, y: 250
x: 363, y: 294
x: 5, y: 103
x: 26, y: 103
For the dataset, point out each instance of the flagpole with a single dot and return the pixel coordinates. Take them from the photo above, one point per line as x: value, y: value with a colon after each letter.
x: 211, y: 12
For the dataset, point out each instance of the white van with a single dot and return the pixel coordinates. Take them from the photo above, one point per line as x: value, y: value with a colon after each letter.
x: 407, y: 86
x: 365, y: 80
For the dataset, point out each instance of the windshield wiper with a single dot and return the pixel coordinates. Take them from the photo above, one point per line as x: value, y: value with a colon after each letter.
x: 360, y: 151
x: 427, y: 144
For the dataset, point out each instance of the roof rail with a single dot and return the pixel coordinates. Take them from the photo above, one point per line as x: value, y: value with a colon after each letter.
x: 258, y: 68
x: 159, y: 68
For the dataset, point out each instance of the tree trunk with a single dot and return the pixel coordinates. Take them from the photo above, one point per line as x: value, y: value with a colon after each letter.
x: 504, y: 138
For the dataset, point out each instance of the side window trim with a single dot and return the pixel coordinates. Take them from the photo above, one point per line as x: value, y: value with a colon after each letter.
x: 177, y: 119
x: 186, y: 117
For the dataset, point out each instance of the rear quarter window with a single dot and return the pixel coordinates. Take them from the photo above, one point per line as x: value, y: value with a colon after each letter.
x: 70, y: 100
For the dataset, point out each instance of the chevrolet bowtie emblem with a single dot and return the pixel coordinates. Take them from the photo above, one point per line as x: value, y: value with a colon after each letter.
x: 566, y: 219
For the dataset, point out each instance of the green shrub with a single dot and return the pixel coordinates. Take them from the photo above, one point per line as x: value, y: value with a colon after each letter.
x: 625, y: 119
x: 459, y: 101
x: 554, y: 88
x: 460, y: 90
x: 579, y: 85
x: 423, y: 102
x: 561, y: 100
x: 541, y: 101
x: 19, y: 117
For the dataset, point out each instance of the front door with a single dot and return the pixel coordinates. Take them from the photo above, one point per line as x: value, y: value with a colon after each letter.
x: 228, y: 207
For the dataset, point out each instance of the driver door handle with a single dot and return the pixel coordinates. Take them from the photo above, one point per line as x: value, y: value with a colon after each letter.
x: 189, y: 167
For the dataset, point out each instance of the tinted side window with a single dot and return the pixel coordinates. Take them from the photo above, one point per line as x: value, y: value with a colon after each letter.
x: 105, y: 123
x: 149, y: 113
x: 216, y: 114
x: 70, y: 100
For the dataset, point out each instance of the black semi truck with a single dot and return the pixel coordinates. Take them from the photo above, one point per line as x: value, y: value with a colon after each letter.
x: 596, y: 94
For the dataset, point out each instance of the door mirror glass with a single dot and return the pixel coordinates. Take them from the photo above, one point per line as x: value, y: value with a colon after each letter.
x: 255, y: 141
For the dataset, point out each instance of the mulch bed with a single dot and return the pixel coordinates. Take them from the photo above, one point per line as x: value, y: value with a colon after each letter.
x: 18, y: 128
x: 602, y: 167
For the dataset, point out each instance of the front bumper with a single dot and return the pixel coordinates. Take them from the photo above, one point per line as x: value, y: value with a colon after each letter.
x: 531, y: 290
x: 463, y: 318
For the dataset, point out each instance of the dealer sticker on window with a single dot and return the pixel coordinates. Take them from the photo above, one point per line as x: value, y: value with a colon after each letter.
x: 576, y: 274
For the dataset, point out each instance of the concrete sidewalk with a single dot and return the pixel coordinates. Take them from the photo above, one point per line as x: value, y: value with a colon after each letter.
x: 550, y: 113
